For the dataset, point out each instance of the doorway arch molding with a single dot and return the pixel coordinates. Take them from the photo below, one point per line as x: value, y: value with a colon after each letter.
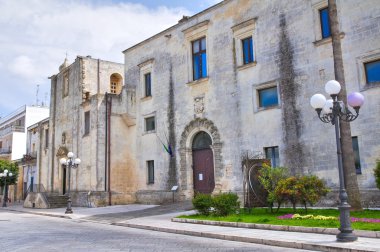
x: 186, y: 155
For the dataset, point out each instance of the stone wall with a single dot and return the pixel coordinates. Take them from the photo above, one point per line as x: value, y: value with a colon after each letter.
x: 289, y: 54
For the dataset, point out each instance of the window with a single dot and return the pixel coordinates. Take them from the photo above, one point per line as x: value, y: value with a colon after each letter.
x: 150, y: 165
x: 87, y: 122
x: 46, y: 138
x: 325, y: 22
x: 272, y: 154
x: 268, y: 97
x: 372, y: 72
x: 199, y: 59
x: 115, y: 83
x: 148, y: 84
x: 150, y: 124
x: 355, y: 147
x: 247, y: 45
x: 1, y: 144
x: 113, y: 87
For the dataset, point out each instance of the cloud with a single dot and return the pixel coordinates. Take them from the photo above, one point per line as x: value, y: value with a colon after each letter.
x: 36, y: 34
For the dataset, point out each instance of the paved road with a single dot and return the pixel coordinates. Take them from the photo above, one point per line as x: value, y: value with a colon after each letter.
x: 26, y: 232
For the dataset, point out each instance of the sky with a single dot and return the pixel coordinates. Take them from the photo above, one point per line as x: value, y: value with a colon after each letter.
x: 36, y: 36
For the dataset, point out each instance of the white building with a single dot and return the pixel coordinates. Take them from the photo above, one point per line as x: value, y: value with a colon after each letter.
x: 13, y: 128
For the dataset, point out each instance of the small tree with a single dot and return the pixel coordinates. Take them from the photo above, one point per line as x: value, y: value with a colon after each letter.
x: 269, y: 178
x: 10, y: 180
x: 377, y: 173
x: 311, y: 189
x: 289, y: 189
x: 12, y: 168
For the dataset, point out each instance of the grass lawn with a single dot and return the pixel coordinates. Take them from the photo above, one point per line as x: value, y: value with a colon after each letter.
x: 263, y: 216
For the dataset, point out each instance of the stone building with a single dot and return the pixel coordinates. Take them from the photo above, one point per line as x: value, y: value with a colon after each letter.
x: 238, y: 77
x: 192, y: 99
x: 80, y: 119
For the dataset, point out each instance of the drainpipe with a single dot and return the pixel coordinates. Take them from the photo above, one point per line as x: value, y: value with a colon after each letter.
x: 109, y: 153
x: 106, y: 145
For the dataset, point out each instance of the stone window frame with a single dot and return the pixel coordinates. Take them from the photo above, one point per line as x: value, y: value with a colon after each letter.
x: 242, y: 31
x: 265, y: 85
x: 318, y: 5
x: 360, y: 62
x: 145, y: 132
x: 191, y: 34
x: 145, y: 68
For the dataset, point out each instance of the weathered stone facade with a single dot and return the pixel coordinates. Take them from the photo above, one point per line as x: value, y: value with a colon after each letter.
x: 289, y: 54
x: 79, y: 122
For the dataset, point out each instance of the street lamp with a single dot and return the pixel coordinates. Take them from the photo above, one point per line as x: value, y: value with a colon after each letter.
x: 4, y: 176
x: 70, y: 162
x: 330, y: 111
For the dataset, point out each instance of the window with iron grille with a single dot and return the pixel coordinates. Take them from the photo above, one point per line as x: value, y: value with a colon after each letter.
x: 150, y: 165
x: 355, y: 147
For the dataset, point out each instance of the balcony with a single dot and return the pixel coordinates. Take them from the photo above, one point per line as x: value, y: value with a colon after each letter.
x: 6, y: 150
x: 11, y: 129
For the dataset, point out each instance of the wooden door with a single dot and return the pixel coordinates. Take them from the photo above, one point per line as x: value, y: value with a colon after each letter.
x: 203, y: 171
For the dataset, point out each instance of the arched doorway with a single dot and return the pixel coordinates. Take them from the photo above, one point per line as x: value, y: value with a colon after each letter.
x: 203, y: 163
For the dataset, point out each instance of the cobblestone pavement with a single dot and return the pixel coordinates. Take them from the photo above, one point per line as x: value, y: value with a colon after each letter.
x: 26, y: 232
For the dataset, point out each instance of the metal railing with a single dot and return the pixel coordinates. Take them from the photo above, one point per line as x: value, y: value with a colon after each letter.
x: 14, y: 113
x: 6, y: 150
x: 11, y: 129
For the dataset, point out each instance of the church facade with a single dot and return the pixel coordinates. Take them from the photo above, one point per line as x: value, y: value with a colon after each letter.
x: 190, y: 101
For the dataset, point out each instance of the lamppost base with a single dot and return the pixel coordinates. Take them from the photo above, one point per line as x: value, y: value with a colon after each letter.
x: 68, y: 211
x: 346, y: 237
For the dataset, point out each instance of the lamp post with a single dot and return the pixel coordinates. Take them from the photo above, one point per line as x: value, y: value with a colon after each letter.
x: 330, y: 111
x: 4, y: 176
x: 70, y: 163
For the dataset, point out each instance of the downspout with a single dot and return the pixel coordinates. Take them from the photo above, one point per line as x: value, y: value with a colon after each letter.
x: 97, y: 123
x: 109, y: 153
x: 53, y: 134
x: 106, y: 145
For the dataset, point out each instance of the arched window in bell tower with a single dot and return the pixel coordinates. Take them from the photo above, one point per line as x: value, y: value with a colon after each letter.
x: 116, y: 83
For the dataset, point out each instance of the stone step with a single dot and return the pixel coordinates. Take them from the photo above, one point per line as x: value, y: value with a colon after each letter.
x: 57, y: 201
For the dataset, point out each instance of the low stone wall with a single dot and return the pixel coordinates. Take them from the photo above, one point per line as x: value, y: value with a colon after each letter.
x: 36, y: 200
x: 155, y: 197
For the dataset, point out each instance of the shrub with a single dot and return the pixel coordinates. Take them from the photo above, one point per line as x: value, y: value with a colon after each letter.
x: 377, y: 174
x: 202, y: 203
x: 288, y: 189
x: 269, y: 178
x: 311, y: 189
x: 225, y: 204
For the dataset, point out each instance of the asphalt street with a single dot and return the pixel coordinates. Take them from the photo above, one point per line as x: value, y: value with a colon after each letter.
x: 27, y: 232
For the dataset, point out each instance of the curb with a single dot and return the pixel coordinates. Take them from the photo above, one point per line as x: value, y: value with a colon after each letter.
x: 329, y: 231
x: 263, y: 241
x: 37, y: 213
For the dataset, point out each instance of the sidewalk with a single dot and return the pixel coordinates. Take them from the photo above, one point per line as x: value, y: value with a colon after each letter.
x: 163, y: 223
